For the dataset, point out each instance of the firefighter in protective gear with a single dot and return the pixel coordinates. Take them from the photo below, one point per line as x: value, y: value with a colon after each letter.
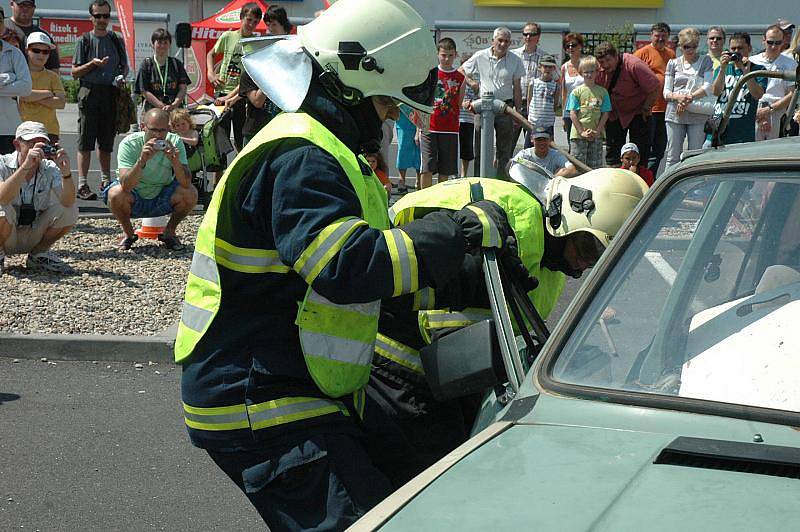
x: 409, y: 430
x: 293, y: 258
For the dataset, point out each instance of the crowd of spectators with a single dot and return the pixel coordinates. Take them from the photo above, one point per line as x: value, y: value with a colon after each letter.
x: 662, y: 99
x: 628, y: 109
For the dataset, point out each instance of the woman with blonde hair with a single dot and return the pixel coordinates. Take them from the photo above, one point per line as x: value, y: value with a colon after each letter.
x: 570, y: 77
x: 687, y: 80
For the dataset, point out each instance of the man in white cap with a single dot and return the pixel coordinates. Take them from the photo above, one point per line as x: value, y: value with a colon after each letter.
x: 549, y: 158
x: 37, y: 199
x: 788, y: 29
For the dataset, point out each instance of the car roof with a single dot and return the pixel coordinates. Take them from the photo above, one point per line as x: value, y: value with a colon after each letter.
x: 785, y: 149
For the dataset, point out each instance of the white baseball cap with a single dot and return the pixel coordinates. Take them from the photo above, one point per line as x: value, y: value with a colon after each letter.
x: 31, y: 130
x: 39, y: 37
x: 630, y: 146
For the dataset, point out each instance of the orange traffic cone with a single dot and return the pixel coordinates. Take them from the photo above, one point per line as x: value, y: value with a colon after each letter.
x: 152, y: 227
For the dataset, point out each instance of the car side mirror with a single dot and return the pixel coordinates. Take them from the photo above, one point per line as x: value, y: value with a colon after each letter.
x: 464, y: 362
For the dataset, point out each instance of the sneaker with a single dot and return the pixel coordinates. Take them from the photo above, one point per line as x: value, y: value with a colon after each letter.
x: 85, y: 193
x: 104, y: 182
x: 47, y: 262
x: 171, y: 242
x: 126, y: 242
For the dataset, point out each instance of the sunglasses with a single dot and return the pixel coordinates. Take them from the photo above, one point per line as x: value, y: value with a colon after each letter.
x: 529, y: 34
x: 571, y: 45
x: 39, y: 51
x: 689, y: 47
x: 101, y: 15
x: 716, y: 38
x: 774, y: 43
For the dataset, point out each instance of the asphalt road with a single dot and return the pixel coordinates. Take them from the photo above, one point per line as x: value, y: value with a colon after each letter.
x: 102, y: 446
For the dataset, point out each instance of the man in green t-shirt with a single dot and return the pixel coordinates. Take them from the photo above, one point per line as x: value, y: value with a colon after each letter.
x: 226, y: 80
x: 154, y: 180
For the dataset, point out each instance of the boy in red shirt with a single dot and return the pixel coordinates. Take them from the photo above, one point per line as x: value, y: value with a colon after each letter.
x: 439, y: 145
x: 630, y: 161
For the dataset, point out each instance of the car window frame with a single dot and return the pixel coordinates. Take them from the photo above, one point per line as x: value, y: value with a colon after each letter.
x: 542, y: 372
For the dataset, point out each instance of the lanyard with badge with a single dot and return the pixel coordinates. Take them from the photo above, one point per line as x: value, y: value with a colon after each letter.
x: 163, y: 77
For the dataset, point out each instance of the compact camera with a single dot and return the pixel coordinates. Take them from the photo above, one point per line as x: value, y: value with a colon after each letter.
x: 50, y: 150
x: 27, y: 214
x: 160, y: 145
x: 735, y: 56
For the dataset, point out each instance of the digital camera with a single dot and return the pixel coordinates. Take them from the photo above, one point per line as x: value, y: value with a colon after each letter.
x: 160, y: 145
x: 50, y: 150
x: 27, y: 215
x: 735, y: 56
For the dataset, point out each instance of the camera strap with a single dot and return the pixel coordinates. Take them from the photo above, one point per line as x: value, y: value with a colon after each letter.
x: 33, y: 194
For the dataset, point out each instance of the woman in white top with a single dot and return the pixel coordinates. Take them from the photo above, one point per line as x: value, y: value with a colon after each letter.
x: 570, y: 78
x: 686, y: 82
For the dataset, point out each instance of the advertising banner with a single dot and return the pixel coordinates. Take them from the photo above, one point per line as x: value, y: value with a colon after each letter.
x: 598, y: 4
x: 66, y: 31
x: 125, y: 17
x: 470, y: 41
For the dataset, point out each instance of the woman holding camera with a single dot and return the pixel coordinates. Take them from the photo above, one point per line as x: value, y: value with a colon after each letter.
x: 48, y: 91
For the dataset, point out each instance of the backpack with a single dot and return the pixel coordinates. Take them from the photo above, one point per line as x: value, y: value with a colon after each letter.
x: 126, y: 109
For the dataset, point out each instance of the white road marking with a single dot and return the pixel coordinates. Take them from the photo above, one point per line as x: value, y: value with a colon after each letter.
x: 662, y: 266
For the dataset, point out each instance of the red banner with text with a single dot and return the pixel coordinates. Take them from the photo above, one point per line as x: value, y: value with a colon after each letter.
x: 125, y: 17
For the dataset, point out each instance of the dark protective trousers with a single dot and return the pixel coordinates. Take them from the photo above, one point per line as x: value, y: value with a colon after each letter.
x: 322, y: 483
x: 658, y: 142
x: 639, y: 130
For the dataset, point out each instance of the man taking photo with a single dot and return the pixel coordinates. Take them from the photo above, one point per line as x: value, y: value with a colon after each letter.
x: 154, y: 180
x: 37, y: 199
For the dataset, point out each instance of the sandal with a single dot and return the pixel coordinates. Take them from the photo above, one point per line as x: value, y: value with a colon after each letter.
x: 171, y: 242
x: 126, y: 242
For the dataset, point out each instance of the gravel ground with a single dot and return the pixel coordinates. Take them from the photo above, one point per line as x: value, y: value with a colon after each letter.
x: 136, y: 292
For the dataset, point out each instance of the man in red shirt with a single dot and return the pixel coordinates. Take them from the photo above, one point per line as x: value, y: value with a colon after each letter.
x: 657, y: 54
x: 633, y: 89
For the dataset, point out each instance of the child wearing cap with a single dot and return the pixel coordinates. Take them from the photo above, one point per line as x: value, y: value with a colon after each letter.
x: 48, y: 92
x: 545, y: 97
x: 629, y: 156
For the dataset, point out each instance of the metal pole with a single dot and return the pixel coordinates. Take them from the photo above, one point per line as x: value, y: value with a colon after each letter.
x: 487, y: 136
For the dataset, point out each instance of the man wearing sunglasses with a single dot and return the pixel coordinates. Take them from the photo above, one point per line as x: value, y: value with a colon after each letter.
x: 99, y: 58
x: 772, y: 106
x: 716, y: 44
x: 22, y: 13
x: 531, y: 53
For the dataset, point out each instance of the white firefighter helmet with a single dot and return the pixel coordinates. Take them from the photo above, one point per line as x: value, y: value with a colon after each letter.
x: 597, y: 202
x: 362, y: 47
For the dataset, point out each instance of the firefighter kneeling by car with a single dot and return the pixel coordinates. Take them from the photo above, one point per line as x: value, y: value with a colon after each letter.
x: 561, y: 227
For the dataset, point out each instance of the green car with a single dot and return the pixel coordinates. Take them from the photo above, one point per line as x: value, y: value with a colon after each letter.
x: 668, y: 395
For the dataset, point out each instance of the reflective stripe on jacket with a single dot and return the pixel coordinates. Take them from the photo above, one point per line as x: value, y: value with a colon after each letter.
x: 337, y: 340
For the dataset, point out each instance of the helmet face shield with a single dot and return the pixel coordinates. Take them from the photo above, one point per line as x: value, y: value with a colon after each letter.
x: 421, y: 96
x: 531, y: 176
x: 588, y: 247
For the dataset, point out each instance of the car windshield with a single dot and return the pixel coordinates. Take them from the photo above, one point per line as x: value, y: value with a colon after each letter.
x: 703, y: 301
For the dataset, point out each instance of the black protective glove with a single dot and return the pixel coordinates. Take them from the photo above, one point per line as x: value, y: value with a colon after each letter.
x: 484, y: 225
x: 516, y: 270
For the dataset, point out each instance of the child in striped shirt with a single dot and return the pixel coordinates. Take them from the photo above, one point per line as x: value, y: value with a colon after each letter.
x: 545, y: 96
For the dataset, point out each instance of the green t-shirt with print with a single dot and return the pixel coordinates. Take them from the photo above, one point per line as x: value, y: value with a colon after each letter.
x: 157, y: 173
x: 230, y: 70
x: 590, y: 103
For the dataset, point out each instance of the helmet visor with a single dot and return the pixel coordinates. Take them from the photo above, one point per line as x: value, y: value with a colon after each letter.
x: 589, y: 248
x: 423, y: 93
x: 530, y: 175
